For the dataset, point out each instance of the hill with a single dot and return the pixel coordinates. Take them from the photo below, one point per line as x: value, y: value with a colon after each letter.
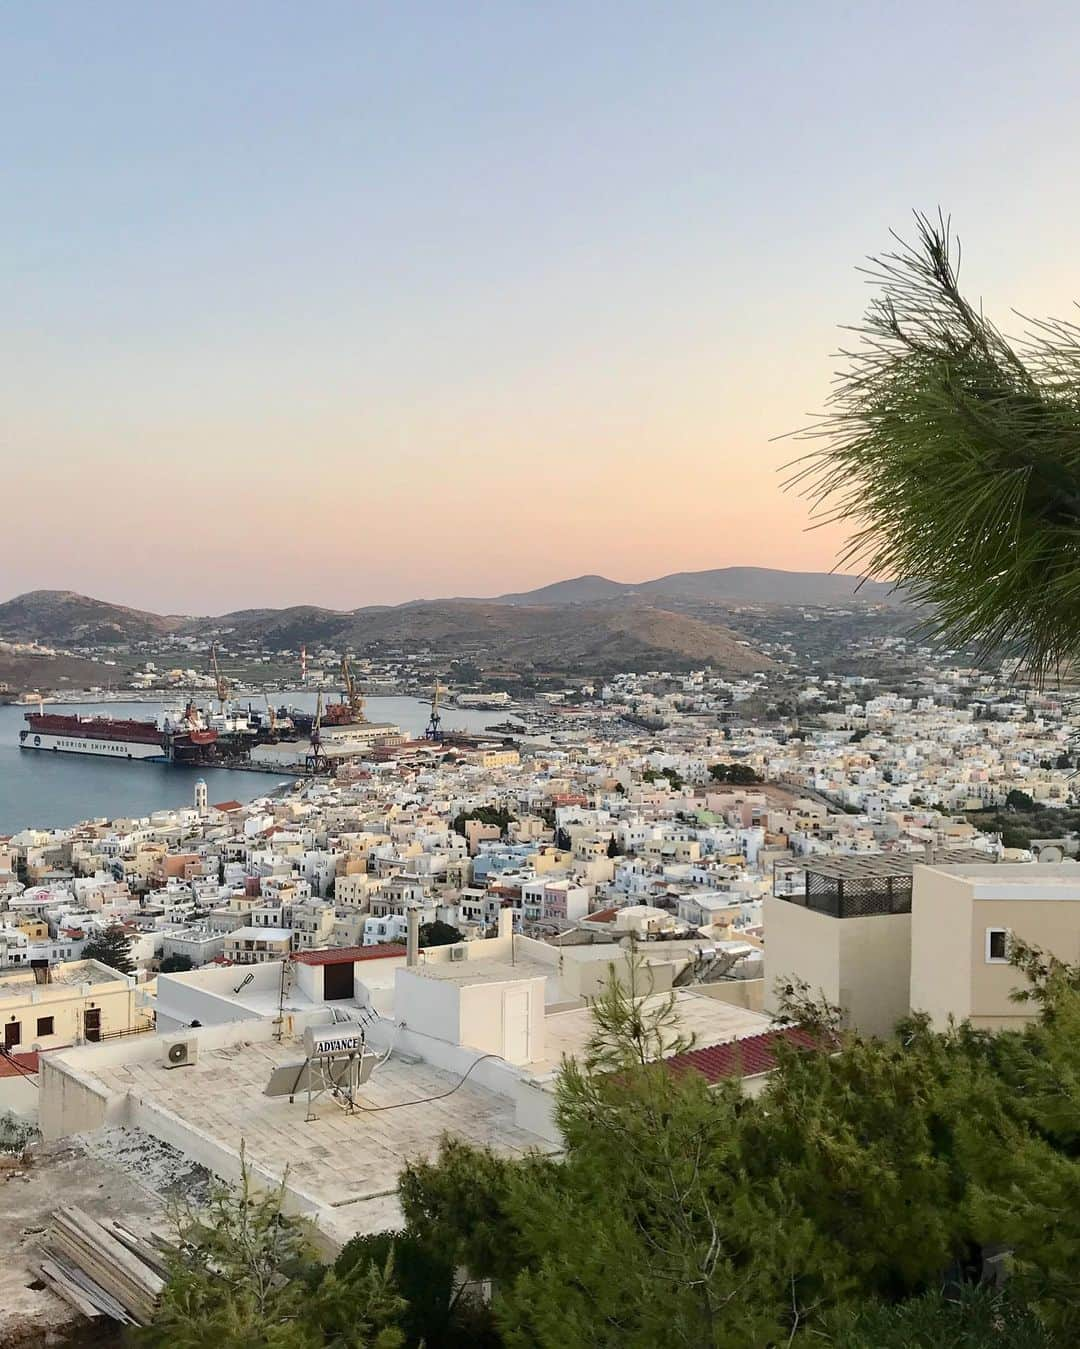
x: 731, y: 585
x: 64, y: 617
x: 537, y: 637
x: 580, y: 590
x: 587, y: 638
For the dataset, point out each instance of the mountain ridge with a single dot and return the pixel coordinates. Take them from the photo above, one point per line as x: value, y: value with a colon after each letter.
x: 584, y: 622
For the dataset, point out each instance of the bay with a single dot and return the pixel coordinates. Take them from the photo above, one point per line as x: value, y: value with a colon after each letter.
x: 48, y: 791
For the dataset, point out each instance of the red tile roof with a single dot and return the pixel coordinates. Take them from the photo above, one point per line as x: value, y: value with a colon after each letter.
x: 227, y: 806
x: 341, y: 955
x: 27, y: 1062
x: 740, y: 1058
x: 602, y: 916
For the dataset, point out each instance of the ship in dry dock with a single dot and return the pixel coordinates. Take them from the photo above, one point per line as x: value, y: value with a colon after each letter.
x: 185, y: 739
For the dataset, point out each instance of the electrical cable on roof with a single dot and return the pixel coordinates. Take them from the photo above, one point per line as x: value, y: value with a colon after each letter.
x: 424, y: 1100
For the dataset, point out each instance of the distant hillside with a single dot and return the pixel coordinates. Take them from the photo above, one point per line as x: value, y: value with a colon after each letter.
x: 581, y: 590
x: 598, y: 638
x: 539, y: 637
x: 63, y: 617
x: 732, y: 585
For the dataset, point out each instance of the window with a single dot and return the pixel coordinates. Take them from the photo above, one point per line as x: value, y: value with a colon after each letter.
x: 45, y: 1025
x: 997, y: 945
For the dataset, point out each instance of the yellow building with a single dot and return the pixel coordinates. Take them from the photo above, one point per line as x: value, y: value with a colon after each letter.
x: 67, y: 1004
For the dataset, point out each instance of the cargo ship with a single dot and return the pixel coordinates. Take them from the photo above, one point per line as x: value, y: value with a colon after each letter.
x: 184, y: 741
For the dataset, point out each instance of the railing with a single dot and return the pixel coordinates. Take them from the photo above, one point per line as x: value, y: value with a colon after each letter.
x: 116, y: 1034
x: 856, y: 898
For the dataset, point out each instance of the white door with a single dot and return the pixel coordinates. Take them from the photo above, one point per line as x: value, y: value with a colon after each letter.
x: 516, y: 1025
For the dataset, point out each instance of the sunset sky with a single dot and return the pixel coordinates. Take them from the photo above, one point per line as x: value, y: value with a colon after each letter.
x: 350, y: 303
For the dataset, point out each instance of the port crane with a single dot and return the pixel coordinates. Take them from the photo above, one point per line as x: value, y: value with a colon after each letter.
x: 434, y: 726
x: 220, y: 682
x: 315, y: 761
x: 353, y: 696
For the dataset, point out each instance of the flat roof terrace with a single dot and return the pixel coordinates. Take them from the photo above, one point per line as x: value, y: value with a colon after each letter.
x: 343, y: 1168
x: 867, y: 884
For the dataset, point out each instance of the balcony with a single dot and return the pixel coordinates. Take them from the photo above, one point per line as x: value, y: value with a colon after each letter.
x: 869, y: 884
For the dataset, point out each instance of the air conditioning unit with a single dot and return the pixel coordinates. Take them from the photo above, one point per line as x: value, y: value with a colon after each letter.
x: 181, y: 1053
x: 457, y: 952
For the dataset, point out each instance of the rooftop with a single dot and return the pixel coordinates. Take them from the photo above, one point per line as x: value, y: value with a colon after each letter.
x: 871, y: 884
x: 72, y: 974
x: 1030, y: 881
x: 747, y: 1057
x: 860, y: 866
x: 347, y: 1165
x: 483, y: 971
x: 706, y: 1018
x: 342, y: 955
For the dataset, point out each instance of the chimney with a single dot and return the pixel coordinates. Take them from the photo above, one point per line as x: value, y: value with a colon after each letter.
x: 412, y: 942
x: 506, y: 922
x: 931, y: 852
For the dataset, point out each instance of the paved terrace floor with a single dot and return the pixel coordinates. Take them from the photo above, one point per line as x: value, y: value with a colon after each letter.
x: 707, y: 1019
x: 347, y: 1164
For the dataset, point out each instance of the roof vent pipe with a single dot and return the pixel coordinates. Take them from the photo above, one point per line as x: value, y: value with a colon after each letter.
x: 412, y: 941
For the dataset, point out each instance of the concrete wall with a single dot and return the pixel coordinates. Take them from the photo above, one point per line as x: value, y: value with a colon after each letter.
x: 748, y: 993
x: 483, y: 1018
x: 208, y: 995
x: 862, y: 965
x: 803, y: 944
x: 427, y: 1006
x: 875, y: 971
x: 19, y: 1095
x: 952, y: 911
x: 941, y: 944
x: 68, y: 1102
x: 73, y: 1100
x: 1051, y: 924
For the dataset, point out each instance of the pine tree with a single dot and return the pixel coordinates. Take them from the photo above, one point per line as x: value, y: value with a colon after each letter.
x: 111, y: 947
x: 245, y: 1274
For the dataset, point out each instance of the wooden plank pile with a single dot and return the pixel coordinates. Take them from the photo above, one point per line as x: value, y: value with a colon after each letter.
x: 103, y: 1269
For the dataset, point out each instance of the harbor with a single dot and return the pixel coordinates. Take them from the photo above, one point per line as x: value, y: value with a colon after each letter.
x: 60, y: 789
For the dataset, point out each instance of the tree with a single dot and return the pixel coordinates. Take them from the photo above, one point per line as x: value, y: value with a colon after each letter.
x: 176, y: 965
x: 440, y: 1308
x: 959, y: 1317
x: 1018, y: 800
x: 613, y: 846
x: 245, y: 1274
x: 498, y: 816
x: 956, y: 455
x: 112, y: 946
x: 439, y: 934
x: 741, y: 775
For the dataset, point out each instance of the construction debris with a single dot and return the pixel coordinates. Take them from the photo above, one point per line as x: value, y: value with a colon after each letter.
x: 103, y: 1269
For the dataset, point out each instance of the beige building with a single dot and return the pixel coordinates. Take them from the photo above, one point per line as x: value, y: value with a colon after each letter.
x: 848, y: 936
x: 964, y: 920
x: 67, y: 1004
x: 257, y: 945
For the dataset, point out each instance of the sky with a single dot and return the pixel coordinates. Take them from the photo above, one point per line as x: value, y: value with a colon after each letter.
x: 354, y: 303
